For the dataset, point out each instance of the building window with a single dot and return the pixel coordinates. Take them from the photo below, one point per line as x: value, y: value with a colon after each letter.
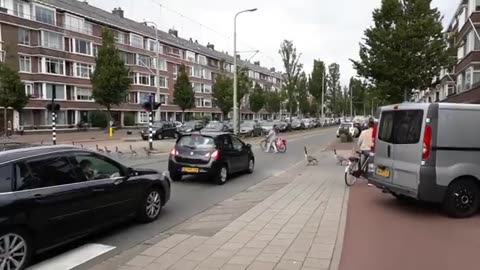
x: 190, y: 56
x: 142, y: 79
x: 73, y: 23
x: 59, y: 91
x: 84, y: 94
x: 84, y: 70
x: 95, y: 50
x: 450, y: 89
x: 144, y: 60
x: 163, y: 64
x: 54, y: 66
x: 29, y: 89
x: 88, y: 28
x: 19, y: 9
x: 198, y: 102
x: 163, y: 82
x: 120, y: 37
x: 152, y: 45
x: 175, y: 71
x: 52, y: 40
x: 202, y: 60
x: 83, y: 47
x: 23, y: 36
x: 207, y: 103
x: 468, y: 79
x: 46, y: 15
x: 143, y: 117
x: 206, y: 74
x: 207, y: 88
x: 197, y: 87
x: 145, y: 97
x: 25, y: 64
x: 195, y: 72
x: 136, y: 41
x: 163, y: 99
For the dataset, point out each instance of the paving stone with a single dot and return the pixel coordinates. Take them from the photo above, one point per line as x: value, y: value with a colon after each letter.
x: 173, y: 240
x: 244, y: 260
x: 127, y: 267
x: 269, y: 257
x: 233, y: 267
x: 249, y: 251
x: 317, y: 263
x: 294, y: 256
x: 288, y: 265
x: 214, y: 262
x: 141, y: 261
x: 221, y: 253
x: 257, y: 265
x: 155, y: 251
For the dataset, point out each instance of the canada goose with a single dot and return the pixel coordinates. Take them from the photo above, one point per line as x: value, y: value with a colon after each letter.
x: 132, y: 152
x: 107, y: 150
x: 338, y: 158
x: 310, y: 160
x: 99, y: 149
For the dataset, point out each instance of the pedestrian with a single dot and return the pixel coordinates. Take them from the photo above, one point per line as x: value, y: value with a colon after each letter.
x: 272, y: 139
x: 365, y: 143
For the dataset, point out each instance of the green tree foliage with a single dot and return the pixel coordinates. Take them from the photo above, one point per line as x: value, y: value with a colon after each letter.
x: 314, y: 108
x: 257, y: 99
x: 404, y: 49
x: 359, y: 95
x: 302, y: 90
x: 183, y: 95
x: 12, y: 91
x: 110, y: 80
x: 293, y: 67
x: 222, y: 92
x: 315, y: 86
x: 334, y: 90
x: 273, y: 102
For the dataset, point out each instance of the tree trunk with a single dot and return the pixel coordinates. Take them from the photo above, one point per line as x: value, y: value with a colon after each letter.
x: 109, y: 116
x: 183, y: 116
x: 5, y: 121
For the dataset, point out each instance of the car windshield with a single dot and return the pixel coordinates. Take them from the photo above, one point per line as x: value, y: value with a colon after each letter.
x: 189, y: 124
x: 158, y: 124
x: 248, y: 124
x: 196, y: 142
x: 266, y: 124
x: 346, y: 125
x: 214, y: 125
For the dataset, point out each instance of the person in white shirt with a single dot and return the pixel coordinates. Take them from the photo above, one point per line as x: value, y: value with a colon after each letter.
x: 271, y: 140
x: 365, y: 141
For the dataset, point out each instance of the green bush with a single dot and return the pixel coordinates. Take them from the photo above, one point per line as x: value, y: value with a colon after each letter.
x: 99, y: 119
x: 129, y: 120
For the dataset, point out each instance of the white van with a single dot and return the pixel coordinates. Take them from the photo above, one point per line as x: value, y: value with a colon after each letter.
x: 430, y: 152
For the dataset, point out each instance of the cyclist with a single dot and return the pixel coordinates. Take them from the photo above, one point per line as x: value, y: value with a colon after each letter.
x: 365, y: 142
x: 272, y: 139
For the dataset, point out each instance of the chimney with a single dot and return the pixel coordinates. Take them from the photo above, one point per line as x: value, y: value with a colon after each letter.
x: 272, y: 69
x: 118, y: 11
x: 211, y: 46
x: 256, y: 63
x: 238, y: 57
x: 196, y: 41
x: 173, y: 32
x: 191, y: 40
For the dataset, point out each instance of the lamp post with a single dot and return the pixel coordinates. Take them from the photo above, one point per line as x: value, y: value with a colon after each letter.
x: 235, y: 105
x: 157, y: 68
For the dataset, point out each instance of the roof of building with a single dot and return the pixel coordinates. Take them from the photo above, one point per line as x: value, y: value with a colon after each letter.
x: 100, y: 15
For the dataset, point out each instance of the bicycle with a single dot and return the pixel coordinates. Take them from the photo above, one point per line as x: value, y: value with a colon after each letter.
x: 353, y: 171
x: 280, y: 143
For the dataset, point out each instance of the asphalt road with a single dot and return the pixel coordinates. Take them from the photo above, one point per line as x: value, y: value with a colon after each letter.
x: 385, y: 233
x: 196, y: 195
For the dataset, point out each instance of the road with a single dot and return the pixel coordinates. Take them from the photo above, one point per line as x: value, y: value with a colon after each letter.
x: 385, y: 233
x: 194, y: 196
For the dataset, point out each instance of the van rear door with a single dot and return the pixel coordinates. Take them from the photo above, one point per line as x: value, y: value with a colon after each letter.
x: 408, y: 145
x: 384, y: 147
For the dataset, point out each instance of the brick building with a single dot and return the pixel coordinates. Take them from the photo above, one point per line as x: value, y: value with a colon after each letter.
x: 53, y: 44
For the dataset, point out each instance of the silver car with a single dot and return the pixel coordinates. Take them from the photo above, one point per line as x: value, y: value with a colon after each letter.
x: 429, y: 152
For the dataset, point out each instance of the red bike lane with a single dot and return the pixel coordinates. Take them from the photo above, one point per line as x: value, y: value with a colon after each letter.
x: 383, y: 233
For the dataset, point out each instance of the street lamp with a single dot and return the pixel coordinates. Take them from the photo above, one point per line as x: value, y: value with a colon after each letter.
x: 235, y: 105
x: 157, y: 49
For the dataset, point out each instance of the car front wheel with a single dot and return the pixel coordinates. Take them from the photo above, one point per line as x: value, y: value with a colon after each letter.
x: 16, y: 250
x: 151, y: 206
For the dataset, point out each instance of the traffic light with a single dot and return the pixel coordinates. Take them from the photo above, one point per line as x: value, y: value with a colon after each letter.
x: 53, y: 107
x: 148, y: 106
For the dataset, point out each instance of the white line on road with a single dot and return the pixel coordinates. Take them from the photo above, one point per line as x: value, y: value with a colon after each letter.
x: 73, y: 258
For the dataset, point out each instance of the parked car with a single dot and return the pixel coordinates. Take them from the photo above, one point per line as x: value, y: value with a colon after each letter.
x: 191, y: 126
x: 348, y: 127
x: 308, y: 123
x: 216, y: 154
x: 283, y: 126
x: 52, y: 195
x: 217, y: 126
x: 251, y: 128
x: 178, y: 124
x: 427, y: 151
x: 267, y: 126
x: 297, y: 124
x: 160, y: 131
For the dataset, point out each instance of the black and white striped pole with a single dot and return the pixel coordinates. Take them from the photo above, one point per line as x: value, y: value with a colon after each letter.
x: 54, y: 132
x: 150, y: 122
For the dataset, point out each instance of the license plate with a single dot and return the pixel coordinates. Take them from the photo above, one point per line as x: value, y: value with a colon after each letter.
x: 190, y: 170
x: 385, y: 172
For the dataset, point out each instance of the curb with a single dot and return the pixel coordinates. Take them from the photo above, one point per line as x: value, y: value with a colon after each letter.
x: 337, y: 250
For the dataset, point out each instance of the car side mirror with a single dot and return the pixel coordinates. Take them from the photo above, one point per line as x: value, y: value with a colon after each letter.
x: 131, y: 172
x: 249, y: 146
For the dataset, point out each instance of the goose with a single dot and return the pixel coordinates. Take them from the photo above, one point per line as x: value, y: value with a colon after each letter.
x: 310, y: 160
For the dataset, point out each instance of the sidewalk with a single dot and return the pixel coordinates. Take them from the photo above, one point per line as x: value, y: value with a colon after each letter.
x: 296, y: 227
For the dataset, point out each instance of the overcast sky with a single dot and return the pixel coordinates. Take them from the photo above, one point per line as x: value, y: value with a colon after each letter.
x: 320, y: 29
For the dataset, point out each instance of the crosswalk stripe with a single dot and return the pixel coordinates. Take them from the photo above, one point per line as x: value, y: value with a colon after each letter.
x: 73, y: 258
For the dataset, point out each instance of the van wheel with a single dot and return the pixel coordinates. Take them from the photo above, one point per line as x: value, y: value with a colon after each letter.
x: 18, y: 251
x: 462, y: 198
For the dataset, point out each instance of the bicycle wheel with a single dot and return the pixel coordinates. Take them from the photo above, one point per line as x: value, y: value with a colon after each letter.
x: 282, y: 148
x: 350, y: 179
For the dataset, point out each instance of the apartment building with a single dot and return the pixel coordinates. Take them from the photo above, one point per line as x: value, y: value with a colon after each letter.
x: 53, y: 44
x: 461, y: 82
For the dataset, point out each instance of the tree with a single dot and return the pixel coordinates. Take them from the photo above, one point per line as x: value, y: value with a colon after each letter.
x: 257, y: 99
x: 110, y: 80
x: 183, y: 94
x: 293, y: 67
x: 12, y: 92
x: 315, y: 81
x: 273, y: 102
x: 222, y: 92
x: 334, y: 92
x: 302, y: 90
x: 314, y: 108
x: 358, y: 91
x: 404, y: 49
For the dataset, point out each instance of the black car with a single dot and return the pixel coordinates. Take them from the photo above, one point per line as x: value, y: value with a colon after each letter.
x: 251, y: 128
x: 217, y: 126
x: 160, y: 131
x: 51, y: 195
x: 191, y: 126
x: 216, y: 154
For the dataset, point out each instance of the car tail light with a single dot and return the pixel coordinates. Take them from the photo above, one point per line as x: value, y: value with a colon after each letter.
x: 427, y: 141
x: 214, y: 155
x: 374, y: 136
x: 174, y: 152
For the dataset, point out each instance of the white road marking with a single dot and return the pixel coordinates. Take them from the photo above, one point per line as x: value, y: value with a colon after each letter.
x: 73, y: 258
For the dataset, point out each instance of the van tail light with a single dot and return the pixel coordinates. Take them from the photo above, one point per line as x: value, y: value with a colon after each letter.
x: 174, y: 152
x: 427, y: 142
x: 214, y: 155
x: 374, y: 135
